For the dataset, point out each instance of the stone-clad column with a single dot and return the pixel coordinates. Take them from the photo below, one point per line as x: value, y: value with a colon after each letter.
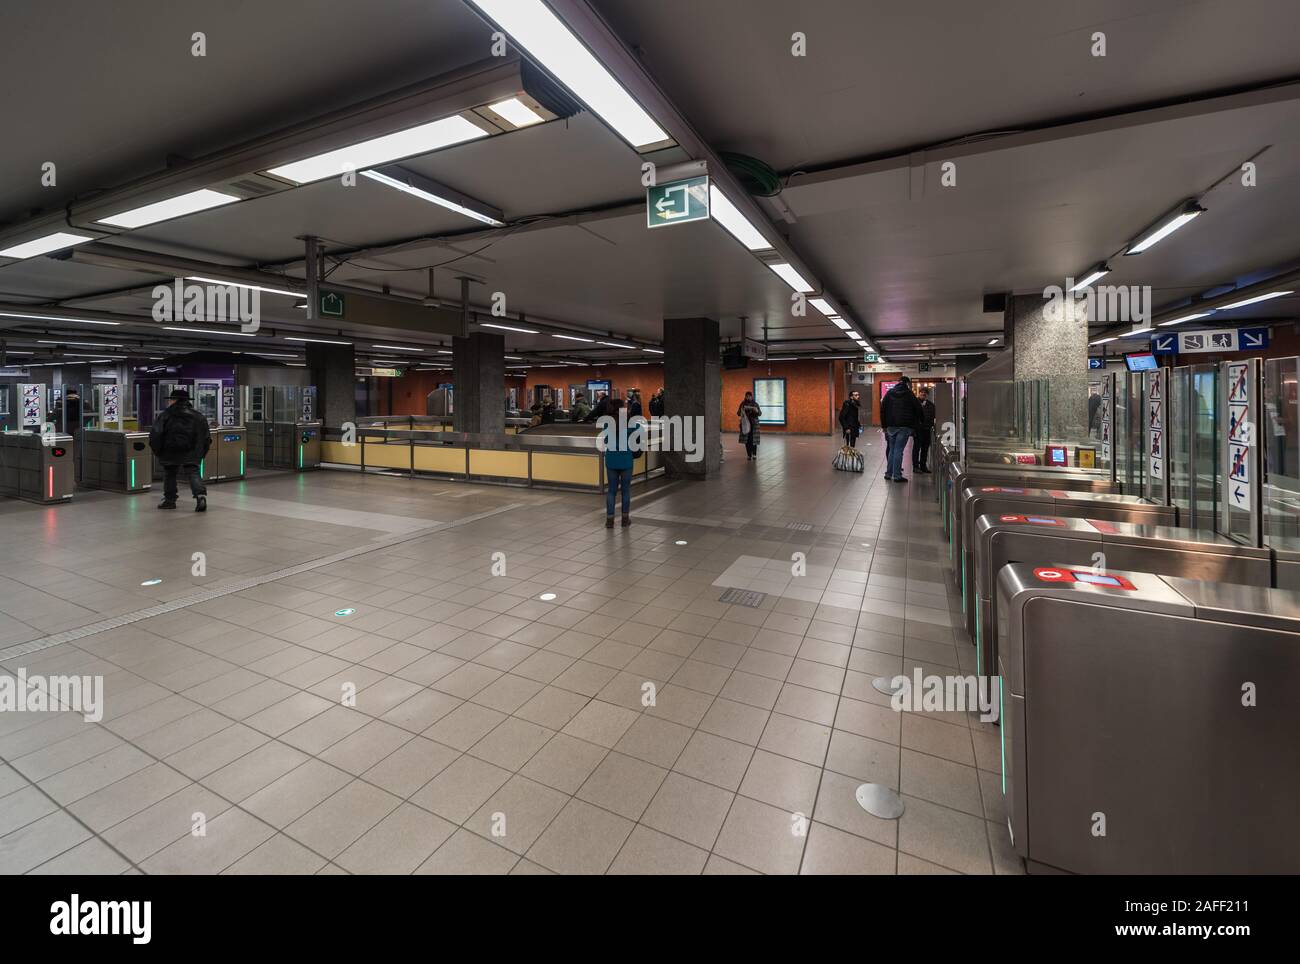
x: 479, y: 381
x: 1049, y: 340
x: 693, y: 388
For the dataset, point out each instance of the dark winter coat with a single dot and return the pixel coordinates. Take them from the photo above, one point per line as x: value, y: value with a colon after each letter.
x: 850, y: 416
x: 180, y: 435
x: 900, y: 408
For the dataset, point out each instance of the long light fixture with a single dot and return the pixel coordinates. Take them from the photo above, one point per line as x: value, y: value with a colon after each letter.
x: 653, y: 351
x: 317, y: 341
x: 614, y: 344
x: 80, y: 321
x: 397, y: 348
x: 79, y: 344
x: 738, y: 226
x: 522, y: 331
x: 244, y: 284
x: 1255, y: 300
x: 791, y: 277
x: 1100, y: 271
x: 1101, y: 341
x: 1192, y: 317
x: 517, y: 112
x: 533, y: 26
x: 433, y: 136
x: 1166, y: 226
x: 211, y: 331
x: 44, y: 245
x: 824, y: 306
x: 992, y: 341
x: 841, y: 324
x: 175, y: 207
x: 589, y: 341
x: 432, y: 197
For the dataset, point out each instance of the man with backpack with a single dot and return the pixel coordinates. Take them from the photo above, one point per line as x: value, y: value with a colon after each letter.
x: 180, y: 437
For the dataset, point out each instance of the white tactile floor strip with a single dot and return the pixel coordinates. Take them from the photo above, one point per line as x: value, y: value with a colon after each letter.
x: 203, y: 595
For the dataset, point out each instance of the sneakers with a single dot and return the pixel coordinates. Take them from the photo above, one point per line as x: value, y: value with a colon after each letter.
x: 626, y: 522
x: 609, y: 522
x: 201, y: 504
x: 166, y: 505
x: 900, y: 479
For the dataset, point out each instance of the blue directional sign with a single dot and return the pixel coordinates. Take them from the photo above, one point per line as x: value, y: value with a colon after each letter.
x: 1095, y: 363
x: 1165, y: 344
x: 1252, y: 339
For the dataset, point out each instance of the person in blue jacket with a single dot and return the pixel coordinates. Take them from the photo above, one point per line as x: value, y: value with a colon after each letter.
x: 621, y: 441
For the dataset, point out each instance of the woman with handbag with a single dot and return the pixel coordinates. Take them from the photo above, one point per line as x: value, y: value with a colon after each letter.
x: 749, y: 414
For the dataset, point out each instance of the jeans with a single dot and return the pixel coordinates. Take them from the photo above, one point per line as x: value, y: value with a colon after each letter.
x: 197, y: 488
x: 618, y: 479
x: 895, y: 442
x: 921, y: 449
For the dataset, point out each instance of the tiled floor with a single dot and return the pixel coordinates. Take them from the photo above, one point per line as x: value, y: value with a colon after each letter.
x: 457, y: 722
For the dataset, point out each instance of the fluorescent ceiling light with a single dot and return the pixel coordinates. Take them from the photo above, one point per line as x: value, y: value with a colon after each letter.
x: 522, y: 331
x: 171, y: 208
x: 1192, y: 317
x: 244, y: 284
x: 728, y: 215
x: 864, y: 345
x: 632, y: 363
x: 397, y: 348
x: 653, y: 351
x: 1100, y: 341
x: 824, y: 306
x: 381, y: 150
x: 432, y: 198
x: 1136, y: 332
x: 1098, y: 272
x: 443, y: 351
x: 539, y: 31
x: 791, y: 277
x: 841, y: 324
x: 51, y: 242
x: 784, y: 359
x: 614, y: 344
x: 993, y: 341
x: 212, y: 331
x: 317, y: 341
x: 82, y: 321
x: 507, y: 357
x: 80, y: 344
x: 1165, y: 227
x: 517, y: 112
x: 574, y: 338
x: 832, y: 357
x: 267, y: 354
x: 1256, y: 300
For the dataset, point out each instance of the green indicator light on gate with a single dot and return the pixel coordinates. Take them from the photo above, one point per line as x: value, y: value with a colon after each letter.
x: 344, y: 612
x: 299, y: 456
x: 202, y: 462
x: 963, y: 585
x: 1002, y: 726
x: 133, y: 473
x: 241, y: 462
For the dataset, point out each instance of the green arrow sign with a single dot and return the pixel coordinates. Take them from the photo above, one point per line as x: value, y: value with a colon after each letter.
x: 870, y: 357
x: 331, y: 304
x: 677, y: 202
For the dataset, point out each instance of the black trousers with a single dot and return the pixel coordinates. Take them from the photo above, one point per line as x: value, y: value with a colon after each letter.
x: 921, y: 448
x: 751, y: 445
x: 851, y: 437
x: 197, y: 488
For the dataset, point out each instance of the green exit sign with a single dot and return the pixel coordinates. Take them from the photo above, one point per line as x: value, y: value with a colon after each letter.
x: 677, y: 202
x: 870, y: 357
x: 331, y: 304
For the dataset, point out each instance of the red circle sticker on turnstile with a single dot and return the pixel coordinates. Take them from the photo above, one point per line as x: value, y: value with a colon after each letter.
x: 1011, y: 518
x: 1054, y: 575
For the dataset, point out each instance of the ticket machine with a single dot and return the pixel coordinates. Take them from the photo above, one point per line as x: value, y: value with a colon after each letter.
x: 1148, y: 723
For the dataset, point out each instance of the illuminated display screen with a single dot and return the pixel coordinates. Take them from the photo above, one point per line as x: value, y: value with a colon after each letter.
x: 1040, y: 521
x: 231, y: 438
x: 1096, y: 580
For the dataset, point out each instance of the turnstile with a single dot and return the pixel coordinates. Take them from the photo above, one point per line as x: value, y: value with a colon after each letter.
x: 307, y: 438
x: 228, y: 457
x: 1098, y: 546
x: 37, y: 468
x: 116, y: 460
x: 284, y: 445
x: 979, y: 500
x: 1148, y: 723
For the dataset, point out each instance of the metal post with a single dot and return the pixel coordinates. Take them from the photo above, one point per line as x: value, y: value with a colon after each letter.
x: 313, y: 277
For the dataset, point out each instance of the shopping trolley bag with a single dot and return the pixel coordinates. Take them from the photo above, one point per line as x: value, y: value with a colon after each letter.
x: 848, y: 460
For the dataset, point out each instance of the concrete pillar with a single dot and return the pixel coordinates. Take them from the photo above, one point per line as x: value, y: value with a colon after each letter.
x: 1049, y: 341
x: 479, y: 377
x: 693, y: 388
x: 334, y: 373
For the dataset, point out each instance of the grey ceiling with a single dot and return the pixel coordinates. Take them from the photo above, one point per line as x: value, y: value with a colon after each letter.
x: 108, y: 91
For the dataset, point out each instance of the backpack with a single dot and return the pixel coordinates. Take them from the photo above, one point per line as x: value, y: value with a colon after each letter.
x: 177, y: 433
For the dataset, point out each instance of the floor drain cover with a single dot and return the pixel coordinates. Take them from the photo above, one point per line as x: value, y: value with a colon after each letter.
x: 743, y: 597
x: 799, y: 526
x: 880, y: 801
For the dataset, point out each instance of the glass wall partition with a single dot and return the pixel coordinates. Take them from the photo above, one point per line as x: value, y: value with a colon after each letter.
x: 1279, y: 432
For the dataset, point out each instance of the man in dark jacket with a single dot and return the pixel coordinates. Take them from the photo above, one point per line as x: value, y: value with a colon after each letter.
x: 600, y: 409
x: 634, y: 405
x: 657, y: 404
x: 924, y: 430
x: 851, y: 419
x: 180, y: 437
x: 900, y: 413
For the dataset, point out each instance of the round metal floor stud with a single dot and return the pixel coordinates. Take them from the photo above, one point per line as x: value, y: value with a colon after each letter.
x: 885, y: 684
x: 880, y: 801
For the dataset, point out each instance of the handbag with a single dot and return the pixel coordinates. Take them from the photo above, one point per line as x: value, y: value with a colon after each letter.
x: 848, y: 460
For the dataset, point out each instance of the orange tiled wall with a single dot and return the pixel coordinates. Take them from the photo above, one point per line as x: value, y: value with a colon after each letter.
x: 808, y: 394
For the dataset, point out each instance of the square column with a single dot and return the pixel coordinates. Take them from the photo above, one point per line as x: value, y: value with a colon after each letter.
x: 479, y: 383
x: 693, y: 390
x: 1051, y: 344
x: 334, y: 373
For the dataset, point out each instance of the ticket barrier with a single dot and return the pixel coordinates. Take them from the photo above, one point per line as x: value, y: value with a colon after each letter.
x: 1148, y: 723
x: 228, y: 457
x: 1099, y: 546
x: 307, y: 438
x: 962, y: 475
x: 116, y: 460
x: 998, y: 500
x: 37, y: 469
x: 284, y: 445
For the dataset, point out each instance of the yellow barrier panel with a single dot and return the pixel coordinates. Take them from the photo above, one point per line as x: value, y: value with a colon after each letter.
x: 388, y: 456
x: 506, y: 465
x: 340, y: 454
x: 440, y: 458
x: 568, y: 469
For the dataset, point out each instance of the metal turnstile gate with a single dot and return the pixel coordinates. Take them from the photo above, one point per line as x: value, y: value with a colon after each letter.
x: 35, y: 468
x: 116, y: 460
x: 1148, y: 723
